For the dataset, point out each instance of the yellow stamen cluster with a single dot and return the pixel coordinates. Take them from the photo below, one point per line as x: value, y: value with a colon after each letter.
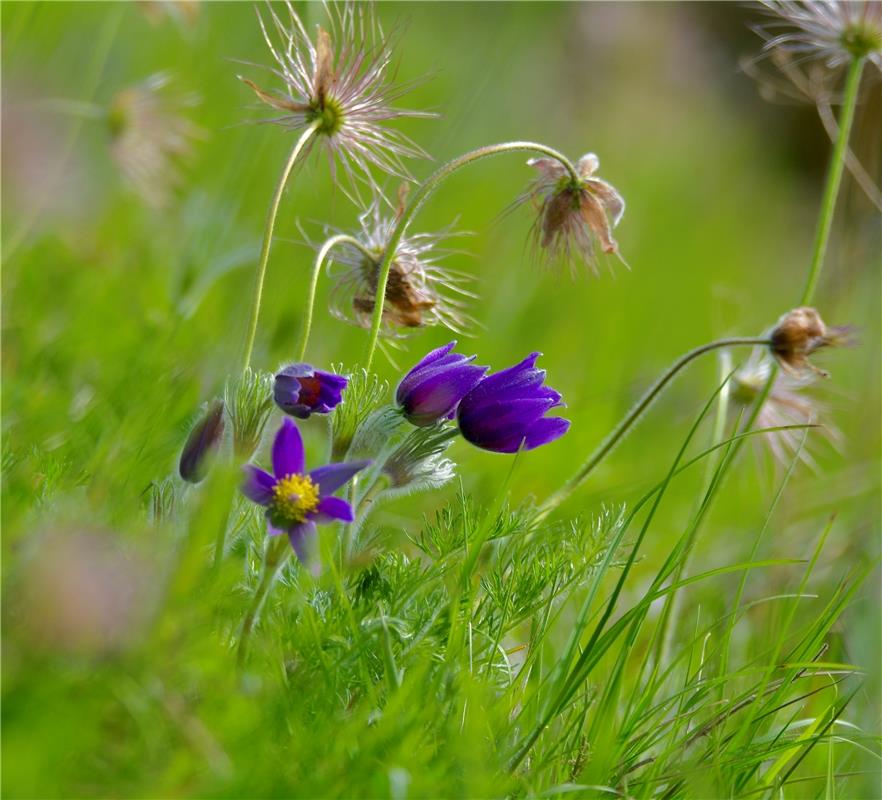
x: 294, y: 496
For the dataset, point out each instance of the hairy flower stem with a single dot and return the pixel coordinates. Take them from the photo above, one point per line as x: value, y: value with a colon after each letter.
x: 420, y: 195
x: 320, y: 259
x: 278, y: 551
x: 834, y: 178
x: 634, y: 414
x: 296, y: 152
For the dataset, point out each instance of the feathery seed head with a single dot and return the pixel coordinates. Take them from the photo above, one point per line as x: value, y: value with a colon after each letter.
x: 150, y: 138
x: 831, y: 31
x: 419, y: 291
x: 786, y: 405
x: 340, y: 84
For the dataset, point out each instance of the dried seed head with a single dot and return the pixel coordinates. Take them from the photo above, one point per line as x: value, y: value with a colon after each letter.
x: 787, y: 404
x: 340, y: 83
x: 574, y: 214
x: 419, y: 292
x: 798, y: 334
x: 830, y: 31
x: 150, y: 139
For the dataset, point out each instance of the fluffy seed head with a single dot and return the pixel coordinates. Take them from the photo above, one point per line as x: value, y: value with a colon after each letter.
x: 419, y: 291
x: 575, y: 213
x: 831, y: 31
x: 150, y: 138
x: 339, y: 82
x: 786, y: 404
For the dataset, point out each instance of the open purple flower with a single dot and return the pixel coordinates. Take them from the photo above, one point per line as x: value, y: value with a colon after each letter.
x: 301, y: 390
x: 505, y: 412
x: 296, y: 500
x: 432, y: 390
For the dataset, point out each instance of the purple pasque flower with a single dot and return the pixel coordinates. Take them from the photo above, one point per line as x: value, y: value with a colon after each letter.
x: 301, y: 390
x: 296, y: 500
x: 505, y: 412
x: 432, y: 390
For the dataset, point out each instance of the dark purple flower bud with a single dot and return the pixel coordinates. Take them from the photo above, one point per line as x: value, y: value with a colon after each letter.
x: 432, y: 390
x: 505, y: 412
x: 203, y: 441
x: 301, y: 390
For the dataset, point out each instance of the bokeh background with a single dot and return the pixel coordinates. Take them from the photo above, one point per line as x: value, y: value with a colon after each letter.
x: 120, y: 317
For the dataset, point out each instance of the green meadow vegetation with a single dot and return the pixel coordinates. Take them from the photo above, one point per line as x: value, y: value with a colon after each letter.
x: 699, y: 617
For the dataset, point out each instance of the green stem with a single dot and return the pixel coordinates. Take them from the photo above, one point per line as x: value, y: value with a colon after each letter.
x: 834, y: 178
x: 320, y: 259
x: 278, y: 551
x: 634, y: 414
x: 297, y: 150
x: 420, y: 195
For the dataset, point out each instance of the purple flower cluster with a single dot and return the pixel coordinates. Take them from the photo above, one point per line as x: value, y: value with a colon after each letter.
x: 503, y: 412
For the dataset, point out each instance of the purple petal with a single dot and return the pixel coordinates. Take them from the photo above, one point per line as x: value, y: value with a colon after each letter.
x: 288, y: 450
x: 300, y: 537
x: 490, y: 421
x: 333, y: 508
x: 258, y: 485
x: 332, y: 476
x: 545, y: 430
x: 439, y: 394
x: 434, y: 355
x: 271, y: 529
x: 421, y: 373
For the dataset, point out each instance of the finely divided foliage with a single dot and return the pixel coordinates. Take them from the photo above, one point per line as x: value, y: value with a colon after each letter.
x: 321, y: 638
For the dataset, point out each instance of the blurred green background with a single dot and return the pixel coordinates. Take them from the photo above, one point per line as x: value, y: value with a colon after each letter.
x: 119, y: 319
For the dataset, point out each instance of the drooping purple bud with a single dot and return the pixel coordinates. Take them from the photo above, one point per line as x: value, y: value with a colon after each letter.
x: 301, y: 390
x: 505, y: 412
x: 202, y: 443
x: 431, y: 391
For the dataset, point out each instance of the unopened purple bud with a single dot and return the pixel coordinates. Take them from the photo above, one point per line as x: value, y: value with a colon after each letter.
x: 505, y: 413
x: 203, y: 442
x: 301, y: 390
x: 431, y: 391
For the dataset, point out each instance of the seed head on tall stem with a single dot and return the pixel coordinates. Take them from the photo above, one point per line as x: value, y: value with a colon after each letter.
x: 420, y: 291
x: 339, y: 82
x: 834, y: 32
x: 575, y: 214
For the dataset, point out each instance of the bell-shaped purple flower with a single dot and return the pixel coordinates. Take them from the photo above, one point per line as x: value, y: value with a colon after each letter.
x: 301, y: 390
x: 505, y: 412
x: 296, y: 500
x: 432, y: 390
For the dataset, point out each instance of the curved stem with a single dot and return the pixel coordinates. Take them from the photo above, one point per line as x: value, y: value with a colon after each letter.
x: 320, y: 259
x: 834, y: 178
x: 634, y: 414
x: 251, y: 332
x: 277, y: 553
x: 420, y: 195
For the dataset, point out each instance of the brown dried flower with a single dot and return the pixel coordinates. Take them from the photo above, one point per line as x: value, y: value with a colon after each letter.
x: 419, y: 292
x: 574, y: 214
x: 798, y: 334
